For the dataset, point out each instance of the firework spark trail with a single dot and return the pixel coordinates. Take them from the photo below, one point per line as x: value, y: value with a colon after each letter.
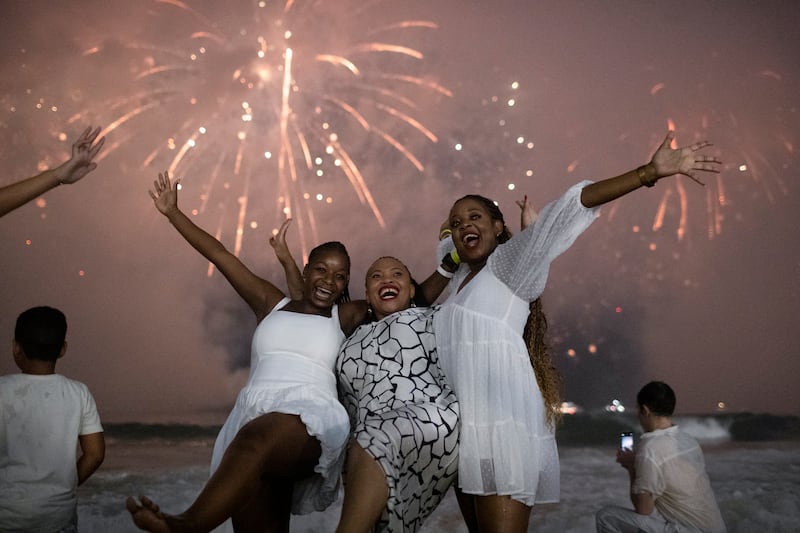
x: 268, y: 57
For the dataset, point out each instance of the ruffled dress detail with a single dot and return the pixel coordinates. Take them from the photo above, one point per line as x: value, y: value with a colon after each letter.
x: 291, y: 371
x: 506, y: 446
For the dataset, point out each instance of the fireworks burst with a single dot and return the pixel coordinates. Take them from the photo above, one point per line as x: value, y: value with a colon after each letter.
x: 266, y: 99
x: 755, y: 142
x: 757, y: 145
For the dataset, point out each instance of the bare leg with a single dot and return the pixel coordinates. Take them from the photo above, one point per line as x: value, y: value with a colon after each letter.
x: 365, y: 492
x: 466, y: 502
x: 265, y: 511
x: 501, y: 514
x: 272, y: 448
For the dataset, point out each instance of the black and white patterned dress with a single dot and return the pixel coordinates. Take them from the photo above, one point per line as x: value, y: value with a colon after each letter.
x: 402, y: 412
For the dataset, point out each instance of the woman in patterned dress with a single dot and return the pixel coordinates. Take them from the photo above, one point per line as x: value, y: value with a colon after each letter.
x: 403, y: 452
x: 507, y: 452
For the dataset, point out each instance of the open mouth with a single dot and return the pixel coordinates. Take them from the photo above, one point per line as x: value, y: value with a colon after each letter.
x: 470, y: 239
x: 323, y: 293
x: 387, y: 293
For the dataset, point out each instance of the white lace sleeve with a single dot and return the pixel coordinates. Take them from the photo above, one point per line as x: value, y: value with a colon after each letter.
x: 523, y: 262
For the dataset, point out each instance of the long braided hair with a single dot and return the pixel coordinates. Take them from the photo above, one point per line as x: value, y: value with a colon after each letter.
x: 534, y: 334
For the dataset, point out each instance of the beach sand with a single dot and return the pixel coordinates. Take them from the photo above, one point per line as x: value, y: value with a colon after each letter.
x: 755, y: 484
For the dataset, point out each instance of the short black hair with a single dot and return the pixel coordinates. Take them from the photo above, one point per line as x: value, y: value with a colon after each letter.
x: 336, y: 247
x: 658, y: 397
x: 41, y: 331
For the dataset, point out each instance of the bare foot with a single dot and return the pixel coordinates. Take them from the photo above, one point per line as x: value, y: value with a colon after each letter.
x: 147, y: 516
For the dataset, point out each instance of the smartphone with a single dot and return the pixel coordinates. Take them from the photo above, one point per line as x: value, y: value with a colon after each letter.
x: 626, y: 441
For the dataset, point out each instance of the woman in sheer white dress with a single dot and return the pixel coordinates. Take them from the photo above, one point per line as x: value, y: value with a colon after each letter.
x: 508, y: 457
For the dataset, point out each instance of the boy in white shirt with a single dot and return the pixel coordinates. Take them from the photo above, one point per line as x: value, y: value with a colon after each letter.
x: 43, y: 416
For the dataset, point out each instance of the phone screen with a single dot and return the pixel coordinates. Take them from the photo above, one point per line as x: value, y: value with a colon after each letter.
x: 626, y: 441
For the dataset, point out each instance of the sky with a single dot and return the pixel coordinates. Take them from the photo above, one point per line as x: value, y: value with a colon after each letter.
x: 696, y: 286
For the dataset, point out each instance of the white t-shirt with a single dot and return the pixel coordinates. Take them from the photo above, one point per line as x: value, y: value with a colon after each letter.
x: 671, y: 467
x: 41, y: 418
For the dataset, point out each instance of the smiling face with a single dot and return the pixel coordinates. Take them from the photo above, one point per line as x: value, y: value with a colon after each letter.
x: 388, y: 286
x: 474, y: 231
x: 325, y: 278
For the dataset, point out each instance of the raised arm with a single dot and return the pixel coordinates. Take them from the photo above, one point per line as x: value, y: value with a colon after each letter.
x: 259, y: 294
x: 294, y: 278
x: 666, y: 162
x: 433, y: 286
x: 84, y: 150
x: 527, y: 214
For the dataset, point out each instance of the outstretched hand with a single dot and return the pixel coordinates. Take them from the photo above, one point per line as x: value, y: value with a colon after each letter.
x: 84, y: 150
x: 668, y: 161
x: 165, y: 193
x: 278, y: 243
x: 528, y: 214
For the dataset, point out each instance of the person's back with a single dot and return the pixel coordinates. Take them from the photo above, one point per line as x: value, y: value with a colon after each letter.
x: 43, y: 418
x: 669, y: 487
x: 670, y: 465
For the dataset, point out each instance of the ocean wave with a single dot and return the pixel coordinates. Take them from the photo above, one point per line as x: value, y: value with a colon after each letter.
x: 581, y: 429
x: 603, y: 428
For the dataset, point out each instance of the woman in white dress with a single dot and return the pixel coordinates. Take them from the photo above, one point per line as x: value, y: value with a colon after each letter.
x: 507, y: 453
x: 282, y: 448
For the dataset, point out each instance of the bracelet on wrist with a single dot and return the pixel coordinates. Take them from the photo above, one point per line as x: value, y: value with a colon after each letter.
x: 440, y: 269
x: 445, y: 233
x: 450, y: 261
x: 644, y: 179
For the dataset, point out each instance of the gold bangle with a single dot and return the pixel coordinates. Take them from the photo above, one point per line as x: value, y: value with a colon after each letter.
x: 643, y: 179
x: 444, y: 233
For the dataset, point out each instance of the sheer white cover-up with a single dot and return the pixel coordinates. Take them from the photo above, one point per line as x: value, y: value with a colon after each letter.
x: 291, y: 371
x: 506, y: 446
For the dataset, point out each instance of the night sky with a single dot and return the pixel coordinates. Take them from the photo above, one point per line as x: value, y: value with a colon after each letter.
x: 696, y: 286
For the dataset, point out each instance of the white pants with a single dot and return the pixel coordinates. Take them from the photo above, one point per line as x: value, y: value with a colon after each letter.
x: 615, y: 519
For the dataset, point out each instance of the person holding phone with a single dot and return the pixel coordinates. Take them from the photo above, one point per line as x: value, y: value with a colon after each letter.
x: 626, y: 441
x: 670, y: 489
